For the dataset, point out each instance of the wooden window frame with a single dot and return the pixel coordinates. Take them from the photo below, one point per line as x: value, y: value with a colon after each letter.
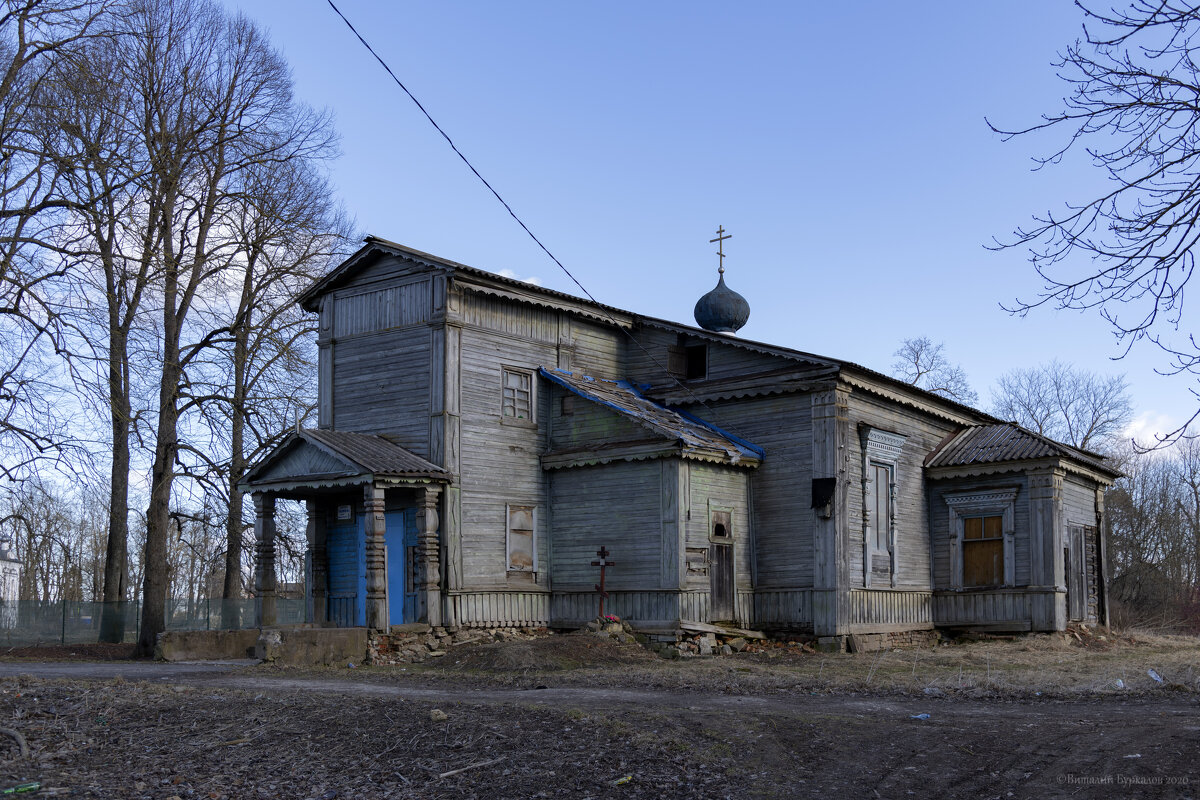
x: 508, y: 534
x: 513, y: 419
x: 713, y: 511
x: 998, y: 502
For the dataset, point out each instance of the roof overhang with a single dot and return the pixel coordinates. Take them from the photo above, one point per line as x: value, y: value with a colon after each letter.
x: 311, y: 462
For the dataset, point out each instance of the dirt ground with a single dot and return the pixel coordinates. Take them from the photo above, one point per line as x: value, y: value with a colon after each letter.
x: 577, y: 717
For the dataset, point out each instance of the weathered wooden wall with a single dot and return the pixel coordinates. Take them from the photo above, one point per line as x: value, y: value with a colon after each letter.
x: 942, y: 536
x: 376, y: 346
x: 617, y: 506
x: 911, y: 507
x: 781, y: 487
x: 647, y: 359
x: 721, y: 488
x: 881, y: 610
x: 499, y: 456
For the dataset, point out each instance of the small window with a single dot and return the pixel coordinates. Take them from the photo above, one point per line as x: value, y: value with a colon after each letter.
x: 722, y: 527
x: 983, y: 551
x: 518, y: 395
x: 697, y: 362
x: 522, y: 544
x: 881, y: 506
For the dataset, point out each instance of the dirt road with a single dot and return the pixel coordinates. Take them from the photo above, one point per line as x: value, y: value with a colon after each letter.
x: 224, y: 730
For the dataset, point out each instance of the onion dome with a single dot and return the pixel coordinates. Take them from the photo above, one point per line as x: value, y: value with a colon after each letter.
x: 722, y: 310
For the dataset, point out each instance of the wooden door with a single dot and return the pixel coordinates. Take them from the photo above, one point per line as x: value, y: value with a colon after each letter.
x: 1076, y: 569
x: 721, y: 575
x: 400, y: 537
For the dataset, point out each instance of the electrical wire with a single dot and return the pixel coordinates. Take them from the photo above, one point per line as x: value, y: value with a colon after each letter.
x: 507, y: 207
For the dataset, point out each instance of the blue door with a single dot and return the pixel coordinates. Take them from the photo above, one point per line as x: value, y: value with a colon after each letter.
x: 346, y: 598
x: 401, y: 540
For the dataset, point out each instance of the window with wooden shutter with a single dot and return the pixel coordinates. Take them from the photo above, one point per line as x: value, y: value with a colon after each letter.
x: 521, y: 538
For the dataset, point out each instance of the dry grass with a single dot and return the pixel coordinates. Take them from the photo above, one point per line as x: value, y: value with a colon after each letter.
x: 1039, y: 665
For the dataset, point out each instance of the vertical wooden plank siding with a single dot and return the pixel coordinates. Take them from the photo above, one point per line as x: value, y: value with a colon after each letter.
x: 782, y: 484
x: 783, y: 610
x: 914, y: 564
x: 982, y: 607
x: 618, y: 506
x: 890, y: 608
x: 649, y: 609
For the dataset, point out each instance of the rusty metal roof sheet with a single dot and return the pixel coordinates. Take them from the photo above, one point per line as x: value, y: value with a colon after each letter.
x: 627, y: 399
x: 1008, y: 441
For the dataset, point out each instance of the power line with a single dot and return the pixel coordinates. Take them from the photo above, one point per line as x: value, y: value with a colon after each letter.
x: 507, y: 207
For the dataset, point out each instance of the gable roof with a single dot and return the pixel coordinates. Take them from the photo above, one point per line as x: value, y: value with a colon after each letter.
x: 1007, y: 441
x: 695, y: 437
x: 491, y: 283
x: 312, y: 458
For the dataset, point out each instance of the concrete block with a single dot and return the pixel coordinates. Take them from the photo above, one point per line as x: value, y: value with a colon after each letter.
x: 199, y: 645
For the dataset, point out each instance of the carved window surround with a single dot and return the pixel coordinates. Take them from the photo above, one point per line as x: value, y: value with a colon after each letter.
x: 880, y: 454
x: 1000, y: 502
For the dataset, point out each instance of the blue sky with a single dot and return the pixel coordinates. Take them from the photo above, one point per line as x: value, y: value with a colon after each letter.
x: 843, y: 145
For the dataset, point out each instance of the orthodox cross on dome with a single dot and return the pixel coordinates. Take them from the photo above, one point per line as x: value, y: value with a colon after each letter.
x: 720, y: 240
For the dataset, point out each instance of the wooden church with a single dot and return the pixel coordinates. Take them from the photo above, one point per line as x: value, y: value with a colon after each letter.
x: 479, y: 439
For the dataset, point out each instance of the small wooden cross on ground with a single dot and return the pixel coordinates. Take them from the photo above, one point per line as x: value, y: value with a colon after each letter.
x: 602, y: 563
x: 720, y: 240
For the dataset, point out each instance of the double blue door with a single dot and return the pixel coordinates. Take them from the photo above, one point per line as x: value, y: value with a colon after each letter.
x: 347, y: 553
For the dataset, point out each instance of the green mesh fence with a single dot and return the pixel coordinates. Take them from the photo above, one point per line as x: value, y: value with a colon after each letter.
x: 34, y: 622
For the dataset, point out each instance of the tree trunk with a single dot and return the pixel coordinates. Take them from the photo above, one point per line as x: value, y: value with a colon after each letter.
x: 116, y: 559
x: 158, y: 516
x: 237, y: 468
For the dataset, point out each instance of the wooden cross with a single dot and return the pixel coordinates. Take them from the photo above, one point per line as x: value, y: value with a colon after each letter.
x: 720, y: 240
x: 602, y: 563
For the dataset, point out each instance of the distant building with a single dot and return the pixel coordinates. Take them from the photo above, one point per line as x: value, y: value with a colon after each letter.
x: 480, y: 438
x: 10, y: 585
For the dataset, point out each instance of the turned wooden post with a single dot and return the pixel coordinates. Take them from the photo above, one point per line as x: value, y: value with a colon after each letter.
x: 265, y: 587
x: 374, y: 525
x: 429, y: 603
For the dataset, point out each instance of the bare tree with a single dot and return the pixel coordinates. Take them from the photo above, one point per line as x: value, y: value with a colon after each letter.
x: 1128, y: 252
x: 924, y: 364
x: 216, y: 102
x: 1075, y: 406
x: 34, y: 36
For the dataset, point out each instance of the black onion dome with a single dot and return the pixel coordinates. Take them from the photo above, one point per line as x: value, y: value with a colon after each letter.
x: 722, y: 310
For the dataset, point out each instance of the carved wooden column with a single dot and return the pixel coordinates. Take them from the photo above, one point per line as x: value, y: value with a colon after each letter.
x: 264, y: 560
x: 429, y: 602
x: 319, y: 561
x: 374, y: 524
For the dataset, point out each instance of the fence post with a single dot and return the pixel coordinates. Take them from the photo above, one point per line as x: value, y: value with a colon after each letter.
x: 64, y: 620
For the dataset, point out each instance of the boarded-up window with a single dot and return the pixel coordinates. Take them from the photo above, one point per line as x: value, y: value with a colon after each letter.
x: 518, y: 394
x: 983, y: 551
x: 522, y: 545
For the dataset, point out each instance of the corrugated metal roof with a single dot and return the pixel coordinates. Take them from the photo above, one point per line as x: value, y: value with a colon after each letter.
x: 307, y: 300
x: 374, y: 454
x: 1008, y: 441
x: 627, y: 399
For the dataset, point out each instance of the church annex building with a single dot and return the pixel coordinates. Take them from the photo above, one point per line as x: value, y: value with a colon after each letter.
x: 480, y: 438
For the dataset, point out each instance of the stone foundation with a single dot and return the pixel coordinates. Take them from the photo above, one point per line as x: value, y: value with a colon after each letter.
x: 414, y: 643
